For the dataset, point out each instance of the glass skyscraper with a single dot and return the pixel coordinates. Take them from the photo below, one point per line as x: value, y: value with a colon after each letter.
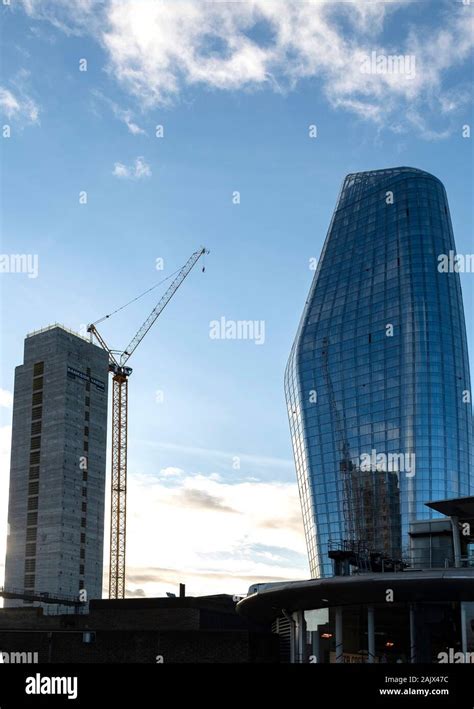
x: 377, y: 383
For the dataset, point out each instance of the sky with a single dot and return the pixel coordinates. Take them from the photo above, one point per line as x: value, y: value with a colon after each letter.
x: 136, y: 131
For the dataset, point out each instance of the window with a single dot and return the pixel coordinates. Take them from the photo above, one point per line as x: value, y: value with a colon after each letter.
x: 29, y: 581
x: 38, y: 398
x: 33, y: 488
x: 35, y: 442
x: 38, y: 369
x: 35, y: 428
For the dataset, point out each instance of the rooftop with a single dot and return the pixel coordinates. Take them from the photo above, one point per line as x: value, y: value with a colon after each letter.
x: 462, y: 507
x: 437, y: 585
x: 55, y: 326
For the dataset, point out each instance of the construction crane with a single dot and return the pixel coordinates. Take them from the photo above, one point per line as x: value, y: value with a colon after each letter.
x: 120, y: 374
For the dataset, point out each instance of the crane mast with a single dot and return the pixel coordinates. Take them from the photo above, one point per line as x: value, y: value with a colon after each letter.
x: 121, y: 373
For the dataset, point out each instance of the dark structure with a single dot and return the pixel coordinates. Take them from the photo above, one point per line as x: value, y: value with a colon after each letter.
x: 142, y: 630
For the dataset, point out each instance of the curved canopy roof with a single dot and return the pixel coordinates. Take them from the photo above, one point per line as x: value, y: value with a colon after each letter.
x: 408, y: 586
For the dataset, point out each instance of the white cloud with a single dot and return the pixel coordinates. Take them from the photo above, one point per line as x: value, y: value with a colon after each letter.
x: 8, y: 102
x: 124, y: 115
x: 69, y: 16
x: 121, y: 170
x: 142, y: 169
x: 171, y: 472
x: 156, y: 49
x: 217, y: 537
x: 18, y: 106
x: 6, y: 398
x: 137, y: 171
x: 134, y: 128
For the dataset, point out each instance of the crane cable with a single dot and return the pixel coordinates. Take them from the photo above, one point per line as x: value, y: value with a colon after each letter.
x: 135, y: 299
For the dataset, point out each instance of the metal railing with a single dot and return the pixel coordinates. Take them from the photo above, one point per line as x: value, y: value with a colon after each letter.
x: 426, y: 561
x: 61, y: 326
x: 38, y: 597
x: 357, y: 556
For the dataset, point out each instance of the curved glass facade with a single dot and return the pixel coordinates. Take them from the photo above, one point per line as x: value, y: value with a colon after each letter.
x: 377, y: 377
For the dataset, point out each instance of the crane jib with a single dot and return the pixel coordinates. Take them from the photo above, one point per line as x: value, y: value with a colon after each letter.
x: 158, y: 309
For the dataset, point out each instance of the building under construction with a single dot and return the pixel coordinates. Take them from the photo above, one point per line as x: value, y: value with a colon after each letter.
x: 57, y: 476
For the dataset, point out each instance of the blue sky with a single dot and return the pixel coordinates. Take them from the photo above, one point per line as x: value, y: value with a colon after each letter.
x: 236, y: 87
